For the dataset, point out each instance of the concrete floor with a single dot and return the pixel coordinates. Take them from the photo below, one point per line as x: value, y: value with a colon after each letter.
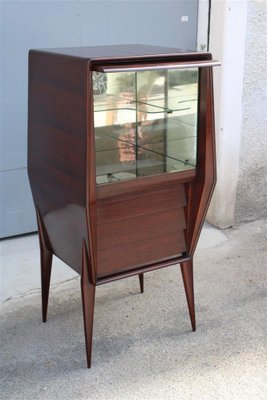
x: 143, y: 347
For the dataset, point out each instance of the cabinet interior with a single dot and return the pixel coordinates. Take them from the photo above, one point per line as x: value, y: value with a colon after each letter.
x: 145, y: 122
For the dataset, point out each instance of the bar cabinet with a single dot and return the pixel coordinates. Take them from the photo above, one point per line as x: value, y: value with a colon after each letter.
x: 121, y: 162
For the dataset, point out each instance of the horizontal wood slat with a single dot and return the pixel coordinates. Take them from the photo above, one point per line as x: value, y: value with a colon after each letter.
x: 140, y: 227
x: 145, y: 184
x: 137, y: 254
x: 125, y: 206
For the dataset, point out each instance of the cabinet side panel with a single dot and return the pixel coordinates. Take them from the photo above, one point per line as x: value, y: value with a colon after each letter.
x: 57, y: 150
x: 200, y: 190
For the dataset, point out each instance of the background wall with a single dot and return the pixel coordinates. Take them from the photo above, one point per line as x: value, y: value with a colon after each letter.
x: 38, y: 24
x: 228, y: 25
x: 238, y: 39
x: 251, y: 202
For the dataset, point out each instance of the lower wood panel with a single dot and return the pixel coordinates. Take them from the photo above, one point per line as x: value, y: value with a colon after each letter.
x: 135, y: 229
x: 136, y: 254
x: 140, y: 203
x: 140, y: 227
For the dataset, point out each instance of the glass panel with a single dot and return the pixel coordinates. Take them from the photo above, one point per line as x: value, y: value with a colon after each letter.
x: 145, y: 122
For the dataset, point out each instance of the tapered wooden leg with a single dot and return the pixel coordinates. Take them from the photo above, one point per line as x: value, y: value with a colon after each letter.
x: 187, y: 273
x: 141, y: 282
x: 46, y: 264
x: 88, y: 301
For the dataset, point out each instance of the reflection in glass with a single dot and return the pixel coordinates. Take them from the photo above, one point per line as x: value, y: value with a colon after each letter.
x: 145, y: 122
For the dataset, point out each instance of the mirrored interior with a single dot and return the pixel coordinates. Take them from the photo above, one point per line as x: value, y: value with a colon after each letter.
x: 145, y: 122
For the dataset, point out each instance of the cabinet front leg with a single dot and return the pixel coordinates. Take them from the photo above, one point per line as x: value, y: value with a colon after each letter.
x: 187, y: 274
x: 88, y: 301
x: 46, y: 265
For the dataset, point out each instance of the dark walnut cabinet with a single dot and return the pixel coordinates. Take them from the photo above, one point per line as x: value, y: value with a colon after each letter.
x: 121, y: 162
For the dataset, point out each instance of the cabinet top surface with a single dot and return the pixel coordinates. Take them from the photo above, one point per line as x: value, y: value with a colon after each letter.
x: 123, y: 51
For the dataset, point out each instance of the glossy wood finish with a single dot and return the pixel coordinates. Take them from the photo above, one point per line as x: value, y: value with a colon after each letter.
x: 187, y: 274
x: 148, y: 268
x: 137, y: 228
x: 56, y: 151
x: 111, y: 231
x: 144, y: 185
x: 201, y: 189
x: 46, y: 257
x: 134, y: 53
x: 88, y: 300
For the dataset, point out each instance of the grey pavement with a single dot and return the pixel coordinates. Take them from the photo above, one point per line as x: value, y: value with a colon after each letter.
x: 143, y: 347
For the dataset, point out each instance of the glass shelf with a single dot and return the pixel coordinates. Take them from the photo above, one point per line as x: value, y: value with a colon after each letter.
x: 156, y: 105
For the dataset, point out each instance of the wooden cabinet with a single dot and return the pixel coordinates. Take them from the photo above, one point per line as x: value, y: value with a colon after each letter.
x: 121, y: 162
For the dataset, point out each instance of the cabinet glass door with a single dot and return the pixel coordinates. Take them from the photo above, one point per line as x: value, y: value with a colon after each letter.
x: 145, y: 122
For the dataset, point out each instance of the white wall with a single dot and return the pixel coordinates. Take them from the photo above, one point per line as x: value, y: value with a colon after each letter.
x: 251, y: 202
x: 227, y: 43
x: 238, y: 39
